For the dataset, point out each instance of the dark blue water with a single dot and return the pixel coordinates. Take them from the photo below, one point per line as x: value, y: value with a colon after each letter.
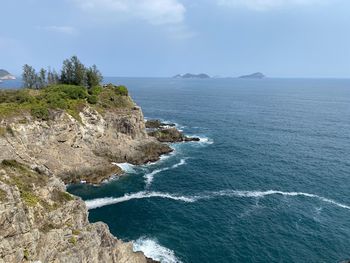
x: 269, y: 182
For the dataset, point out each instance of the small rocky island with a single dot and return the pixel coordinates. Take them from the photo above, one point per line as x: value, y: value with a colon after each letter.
x: 192, y: 76
x: 167, y: 132
x: 65, y: 129
x: 257, y: 75
x: 5, y: 75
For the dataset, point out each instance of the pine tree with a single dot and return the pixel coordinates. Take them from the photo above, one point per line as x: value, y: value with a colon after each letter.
x: 29, y: 77
x: 93, y: 76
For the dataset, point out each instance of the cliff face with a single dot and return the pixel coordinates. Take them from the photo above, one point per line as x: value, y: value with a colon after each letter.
x: 39, y: 221
x: 82, y: 149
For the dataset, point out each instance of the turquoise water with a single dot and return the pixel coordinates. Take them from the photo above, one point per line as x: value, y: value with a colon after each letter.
x: 269, y: 182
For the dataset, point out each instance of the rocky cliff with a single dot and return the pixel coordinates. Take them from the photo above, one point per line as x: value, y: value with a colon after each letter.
x: 82, y: 149
x: 39, y: 220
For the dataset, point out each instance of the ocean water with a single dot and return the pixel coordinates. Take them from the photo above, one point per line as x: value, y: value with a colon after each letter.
x: 268, y: 182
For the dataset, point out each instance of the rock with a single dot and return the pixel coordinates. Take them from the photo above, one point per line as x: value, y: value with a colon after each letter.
x: 39, y: 221
x: 171, y: 135
x: 81, y: 150
x: 156, y: 124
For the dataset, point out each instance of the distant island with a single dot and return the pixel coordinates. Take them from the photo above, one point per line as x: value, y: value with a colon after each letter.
x: 192, y: 76
x: 257, y: 75
x: 5, y: 75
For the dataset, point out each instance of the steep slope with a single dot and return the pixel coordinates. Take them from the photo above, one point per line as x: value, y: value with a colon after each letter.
x: 40, y: 221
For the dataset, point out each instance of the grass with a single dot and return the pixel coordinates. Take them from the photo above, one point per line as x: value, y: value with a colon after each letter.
x: 76, y: 232
x: 39, y: 103
x: 26, y: 254
x: 73, y: 240
x: 25, y: 180
x: 3, y: 196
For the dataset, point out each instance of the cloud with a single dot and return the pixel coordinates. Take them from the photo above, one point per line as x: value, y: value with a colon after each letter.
x: 68, y: 30
x: 156, y: 12
x: 262, y: 5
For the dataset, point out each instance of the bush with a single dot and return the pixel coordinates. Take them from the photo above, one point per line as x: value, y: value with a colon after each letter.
x: 56, y: 100
x: 40, y: 112
x: 92, y: 99
x: 71, y: 91
x: 122, y: 90
x: 96, y: 90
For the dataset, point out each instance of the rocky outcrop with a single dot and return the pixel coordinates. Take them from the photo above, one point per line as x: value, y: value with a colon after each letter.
x: 80, y: 149
x: 40, y: 222
x: 165, y: 132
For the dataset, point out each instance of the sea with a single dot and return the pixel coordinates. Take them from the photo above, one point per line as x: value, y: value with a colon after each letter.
x: 269, y: 180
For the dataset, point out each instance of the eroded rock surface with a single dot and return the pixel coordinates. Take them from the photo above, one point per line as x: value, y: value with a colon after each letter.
x: 40, y: 222
x: 82, y: 149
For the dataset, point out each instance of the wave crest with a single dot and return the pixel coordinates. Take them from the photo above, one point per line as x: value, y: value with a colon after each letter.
x: 100, y: 202
x: 149, y: 176
x: 152, y: 249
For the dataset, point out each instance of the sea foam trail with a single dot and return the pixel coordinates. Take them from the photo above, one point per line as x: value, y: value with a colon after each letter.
x: 99, y: 202
x: 152, y: 249
x: 149, y: 176
x: 95, y: 203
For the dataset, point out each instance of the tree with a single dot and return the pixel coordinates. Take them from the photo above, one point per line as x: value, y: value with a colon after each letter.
x: 67, y: 72
x: 52, y: 77
x: 79, y: 72
x: 93, y: 77
x: 41, y: 82
x: 73, y: 72
x: 29, y: 77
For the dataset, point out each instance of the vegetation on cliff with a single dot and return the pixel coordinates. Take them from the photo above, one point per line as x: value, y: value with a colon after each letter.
x: 73, y: 72
x: 72, y: 98
x: 76, y: 87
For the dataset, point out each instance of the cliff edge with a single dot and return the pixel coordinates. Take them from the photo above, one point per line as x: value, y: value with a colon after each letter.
x: 54, y: 136
x: 40, y: 222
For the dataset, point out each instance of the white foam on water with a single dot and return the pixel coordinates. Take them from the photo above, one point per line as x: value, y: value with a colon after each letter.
x: 205, y: 140
x: 258, y: 194
x: 95, y: 203
x: 100, y: 202
x: 126, y: 167
x: 149, y: 176
x: 152, y: 249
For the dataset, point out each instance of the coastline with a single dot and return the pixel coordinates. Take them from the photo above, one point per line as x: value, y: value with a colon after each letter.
x: 68, y: 150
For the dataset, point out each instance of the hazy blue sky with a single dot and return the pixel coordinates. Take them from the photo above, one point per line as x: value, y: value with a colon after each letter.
x: 282, y: 38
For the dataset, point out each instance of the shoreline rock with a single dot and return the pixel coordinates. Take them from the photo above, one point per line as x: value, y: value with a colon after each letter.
x: 81, y: 150
x: 164, y: 132
x: 40, y: 221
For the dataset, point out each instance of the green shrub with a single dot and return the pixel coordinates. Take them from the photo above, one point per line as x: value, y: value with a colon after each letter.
x: 122, y: 90
x: 96, y: 90
x: 40, y: 112
x: 29, y: 198
x: 76, y: 232
x: 71, y: 91
x: 56, y: 100
x: 73, y: 240
x: 92, y: 99
x: 3, y: 195
x: 26, y: 254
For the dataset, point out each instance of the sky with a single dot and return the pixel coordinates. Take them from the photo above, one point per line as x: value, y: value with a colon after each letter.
x: 161, y: 38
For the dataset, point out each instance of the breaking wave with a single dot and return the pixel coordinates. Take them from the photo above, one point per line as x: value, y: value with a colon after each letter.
x: 149, y: 176
x: 152, y: 249
x: 95, y: 203
x: 126, y: 167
